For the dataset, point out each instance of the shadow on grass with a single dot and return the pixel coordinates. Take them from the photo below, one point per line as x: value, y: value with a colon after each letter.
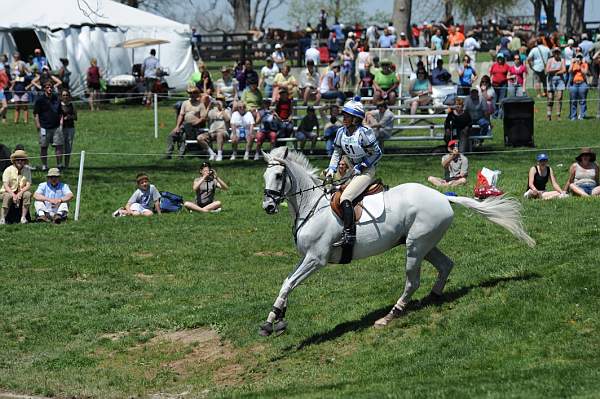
x: 370, y: 318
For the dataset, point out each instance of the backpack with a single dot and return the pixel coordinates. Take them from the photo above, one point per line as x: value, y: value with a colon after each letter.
x: 170, y: 202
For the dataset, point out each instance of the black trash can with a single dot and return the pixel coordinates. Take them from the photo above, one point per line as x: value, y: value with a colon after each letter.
x: 518, y: 121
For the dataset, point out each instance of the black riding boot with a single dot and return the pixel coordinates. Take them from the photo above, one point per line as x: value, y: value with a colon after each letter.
x: 349, y: 233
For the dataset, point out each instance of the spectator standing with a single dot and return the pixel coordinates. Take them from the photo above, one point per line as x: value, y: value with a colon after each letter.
x: 337, y: 28
x: 458, y: 125
x: 586, y: 47
x: 279, y: 56
x: 537, y: 59
x: 242, y: 129
x: 308, y: 130
x: 487, y: 92
x: 499, y: 75
x: 322, y: 27
x: 48, y: 114
x: 205, y: 187
x: 363, y: 58
x: 372, y: 35
x: 365, y: 85
x: 386, y: 40
x: 385, y: 83
x: 455, y: 42
x: 3, y: 84
x: 69, y: 116
x: 309, y: 83
x: 578, y: 88
x: 267, y: 76
x: 313, y: 54
x: 144, y: 201
x: 478, y: 110
x: 517, y: 74
x: 538, y: 179
x: 93, y: 84
x: 39, y: 60
x: 52, y: 198
x: 44, y: 77
x: 583, y: 175
x: 569, y: 53
x: 456, y: 168
x: 16, y: 182
x: 227, y: 86
x: 333, y: 45
x: 555, y: 72
x: 596, y: 61
x: 466, y: 76
x: 381, y: 120
x: 150, y: 68
x: 64, y: 74
x: 18, y: 86
x: 402, y: 41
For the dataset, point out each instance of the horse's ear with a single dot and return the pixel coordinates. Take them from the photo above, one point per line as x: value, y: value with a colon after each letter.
x: 266, y: 155
x: 285, y: 154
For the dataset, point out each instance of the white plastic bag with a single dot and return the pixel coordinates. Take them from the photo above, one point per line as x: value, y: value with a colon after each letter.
x: 491, y: 176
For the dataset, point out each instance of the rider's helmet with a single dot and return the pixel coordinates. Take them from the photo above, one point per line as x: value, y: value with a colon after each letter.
x: 355, y: 108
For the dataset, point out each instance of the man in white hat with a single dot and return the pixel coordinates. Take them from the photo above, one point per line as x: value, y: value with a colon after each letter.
x: 16, y: 182
x: 279, y: 56
x: 51, y: 198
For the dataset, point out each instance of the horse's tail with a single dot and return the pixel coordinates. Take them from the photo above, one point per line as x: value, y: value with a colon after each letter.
x: 505, y: 212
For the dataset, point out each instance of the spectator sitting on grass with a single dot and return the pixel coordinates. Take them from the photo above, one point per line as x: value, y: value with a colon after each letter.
x: 583, y: 175
x: 538, y: 178
x: 16, y: 182
x: 456, y: 168
x: 306, y: 130
x: 205, y: 187
x: 143, y: 201
x: 51, y: 199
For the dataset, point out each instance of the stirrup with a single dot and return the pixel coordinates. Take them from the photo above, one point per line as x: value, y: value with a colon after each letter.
x: 347, y: 239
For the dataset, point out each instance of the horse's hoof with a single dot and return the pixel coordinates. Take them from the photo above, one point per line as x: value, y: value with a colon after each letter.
x: 387, y: 319
x: 278, y: 327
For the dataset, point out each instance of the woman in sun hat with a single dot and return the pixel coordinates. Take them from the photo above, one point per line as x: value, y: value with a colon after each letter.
x: 583, y: 174
x: 539, y: 175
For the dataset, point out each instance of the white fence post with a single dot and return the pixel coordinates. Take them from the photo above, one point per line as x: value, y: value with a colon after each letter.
x: 79, y: 183
x: 155, y: 116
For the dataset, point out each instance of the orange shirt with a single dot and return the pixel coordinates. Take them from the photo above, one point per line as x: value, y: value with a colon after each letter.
x: 402, y: 43
x: 456, y: 39
x: 579, y: 71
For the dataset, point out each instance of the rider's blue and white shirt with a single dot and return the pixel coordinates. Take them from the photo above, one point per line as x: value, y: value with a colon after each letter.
x: 361, y: 147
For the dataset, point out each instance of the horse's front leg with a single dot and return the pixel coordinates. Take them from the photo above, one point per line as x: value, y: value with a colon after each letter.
x: 275, y: 322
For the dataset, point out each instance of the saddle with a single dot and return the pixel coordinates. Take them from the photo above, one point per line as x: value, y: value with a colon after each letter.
x: 336, y: 206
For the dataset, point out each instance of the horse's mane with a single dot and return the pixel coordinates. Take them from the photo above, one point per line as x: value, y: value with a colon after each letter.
x: 296, y: 158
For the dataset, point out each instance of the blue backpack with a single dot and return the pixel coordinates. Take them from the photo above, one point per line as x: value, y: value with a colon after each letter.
x: 170, y: 202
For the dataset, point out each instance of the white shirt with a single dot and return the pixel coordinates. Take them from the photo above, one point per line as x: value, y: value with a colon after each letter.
x: 471, y: 44
x: 308, y: 80
x: 312, y: 54
x: 361, y: 60
x: 324, y: 88
x: 268, y: 74
x: 150, y: 66
x: 246, y: 120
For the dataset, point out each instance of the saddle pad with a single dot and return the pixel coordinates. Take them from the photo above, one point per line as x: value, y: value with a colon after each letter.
x: 373, y: 208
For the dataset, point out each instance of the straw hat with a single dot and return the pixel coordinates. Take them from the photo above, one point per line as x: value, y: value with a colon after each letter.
x: 53, y: 172
x: 586, y: 151
x: 18, y: 154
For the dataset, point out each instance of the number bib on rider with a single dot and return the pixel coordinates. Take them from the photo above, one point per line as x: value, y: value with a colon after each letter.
x: 352, y: 148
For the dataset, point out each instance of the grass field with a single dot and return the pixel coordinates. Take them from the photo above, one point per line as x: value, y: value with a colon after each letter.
x: 169, y: 306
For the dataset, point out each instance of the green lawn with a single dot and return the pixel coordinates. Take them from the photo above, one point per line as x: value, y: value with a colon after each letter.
x: 170, y: 305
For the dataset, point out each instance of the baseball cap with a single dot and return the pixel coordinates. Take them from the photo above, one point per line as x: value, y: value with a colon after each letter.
x: 453, y: 143
x: 500, y: 55
x: 278, y: 45
x: 541, y: 157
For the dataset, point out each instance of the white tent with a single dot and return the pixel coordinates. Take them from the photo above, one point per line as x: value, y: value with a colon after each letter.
x: 66, y: 31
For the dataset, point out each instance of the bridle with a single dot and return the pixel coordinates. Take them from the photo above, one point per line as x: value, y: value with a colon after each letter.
x: 278, y: 196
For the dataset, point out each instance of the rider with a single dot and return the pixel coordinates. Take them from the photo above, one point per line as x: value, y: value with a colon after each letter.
x: 359, y: 143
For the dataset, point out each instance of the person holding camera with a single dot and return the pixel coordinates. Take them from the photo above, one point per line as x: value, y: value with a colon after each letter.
x: 205, y: 187
x: 578, y: 88
x: 456, y: 168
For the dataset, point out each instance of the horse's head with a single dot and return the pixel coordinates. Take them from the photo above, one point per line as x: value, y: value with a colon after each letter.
x: 277, y: 181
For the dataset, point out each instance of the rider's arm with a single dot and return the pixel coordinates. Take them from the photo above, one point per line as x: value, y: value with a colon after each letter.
x: 371, y: 146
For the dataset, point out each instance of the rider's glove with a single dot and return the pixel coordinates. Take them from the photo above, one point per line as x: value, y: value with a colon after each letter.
x: 358, y: 168
x: 330, y: 173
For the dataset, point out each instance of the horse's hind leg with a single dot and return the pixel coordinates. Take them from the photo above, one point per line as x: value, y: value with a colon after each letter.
x: 444, y: 265
x: 415, y: 252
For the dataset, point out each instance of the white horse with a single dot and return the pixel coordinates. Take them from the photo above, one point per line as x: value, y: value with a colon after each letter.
x: 410, y: 214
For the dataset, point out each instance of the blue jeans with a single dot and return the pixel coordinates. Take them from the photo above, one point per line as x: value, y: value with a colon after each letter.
x: 515, y: 90
x: 578, y: 92
x: 330, y: 95
x: 268, y: 90
x: 484, y: 126
x: 500, y: 95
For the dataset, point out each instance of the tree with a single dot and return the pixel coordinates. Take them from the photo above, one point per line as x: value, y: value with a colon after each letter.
x: 301, y: 12
x: 482, y: 8
x: 549, y: 10
x: 401, y: 15
x: 571, y: 16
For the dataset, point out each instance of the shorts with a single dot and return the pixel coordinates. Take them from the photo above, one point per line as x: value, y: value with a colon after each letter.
x: 587, y: 187
x: 136, y: 207
x: 93, y: 85
x: 539, y: 77
x: 529, y: 194
x: 301, y: 136
x: 20, y: 98
x: 2, y: 96
x: 261, y: 136
x: 556, y: 83
x: 149, y: 83
x: 51, y: 136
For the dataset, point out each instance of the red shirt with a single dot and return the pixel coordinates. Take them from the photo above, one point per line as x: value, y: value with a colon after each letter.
x: 499, y: 73
x: 284, y: 108
x: 403, y: 43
